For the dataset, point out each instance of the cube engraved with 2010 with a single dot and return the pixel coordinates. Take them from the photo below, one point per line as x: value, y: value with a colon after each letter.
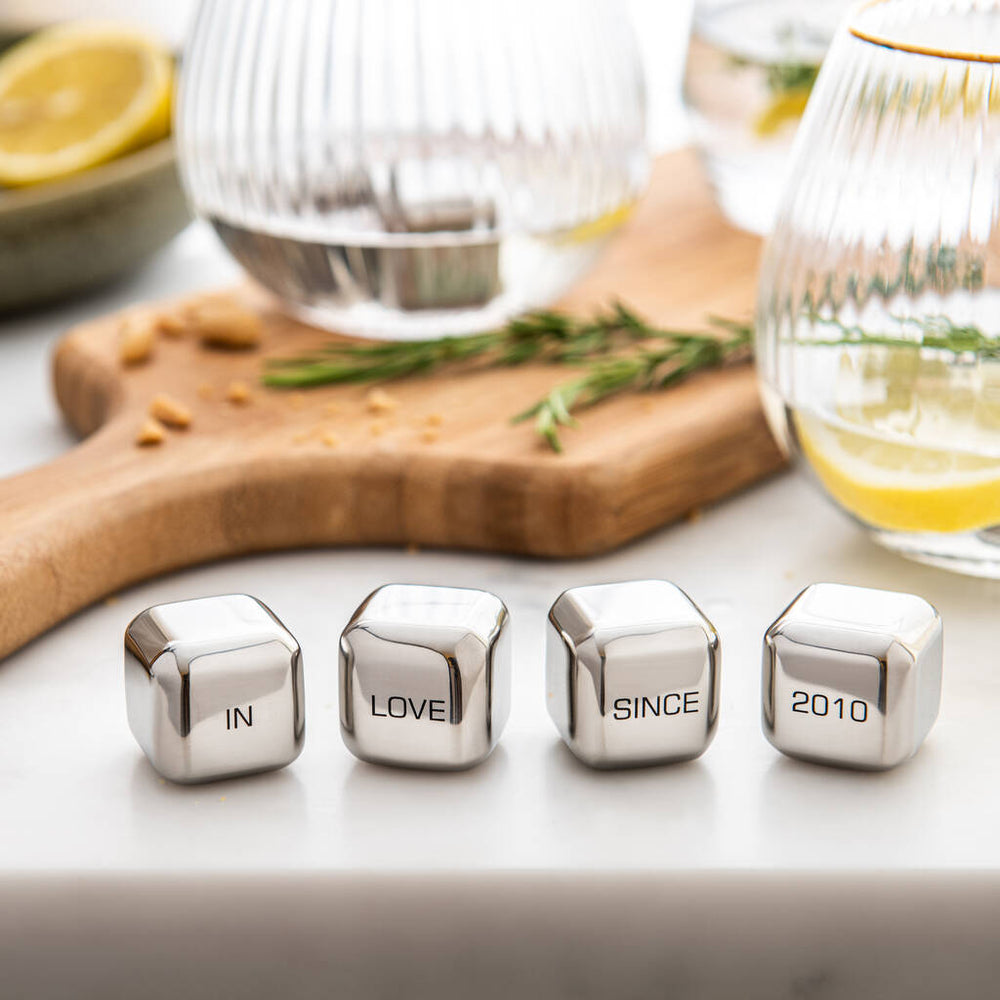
x: 852, y: 676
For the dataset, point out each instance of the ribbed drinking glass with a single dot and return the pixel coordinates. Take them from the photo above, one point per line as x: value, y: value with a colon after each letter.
x: 878, y: 313
x: 406, y: 169
x: 751, y: 66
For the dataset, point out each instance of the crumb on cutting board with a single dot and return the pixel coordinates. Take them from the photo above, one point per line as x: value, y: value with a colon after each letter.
x: 170, y: 411
x: 332, y: 410
x: 330, y: 440
x: 429, y: 436
x: 222, y: 323
x: 434, y: 419
x: 379, y: 401
x: 152, y: 432
x: 171, y: 325
x: 238, y: 393
x: 136, y: 338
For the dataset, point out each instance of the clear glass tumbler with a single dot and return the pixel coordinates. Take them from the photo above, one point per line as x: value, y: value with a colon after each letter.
x: 879, y: 306
x: 750, y: 69
x: 404, y: 169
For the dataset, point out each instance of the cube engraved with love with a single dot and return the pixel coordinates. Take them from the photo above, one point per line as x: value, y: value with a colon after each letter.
x: 425, y: 676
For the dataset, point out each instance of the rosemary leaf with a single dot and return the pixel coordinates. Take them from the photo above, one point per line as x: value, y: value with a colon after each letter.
x: 619, y: 350
x: 682, y: 354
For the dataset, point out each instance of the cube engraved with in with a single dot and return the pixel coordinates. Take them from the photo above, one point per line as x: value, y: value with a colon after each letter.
x: 632, y: 674
x: 852, y: 676
x: 425, y: 676
x: 214, y: 688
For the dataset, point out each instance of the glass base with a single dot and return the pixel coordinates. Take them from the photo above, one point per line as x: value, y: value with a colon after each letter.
x: 414, y: 287
x: 975, y: 553
x: 747, y: 188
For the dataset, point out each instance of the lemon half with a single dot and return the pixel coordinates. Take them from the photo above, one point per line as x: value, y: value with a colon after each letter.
x: 898, y: 486
x: 75, y: 96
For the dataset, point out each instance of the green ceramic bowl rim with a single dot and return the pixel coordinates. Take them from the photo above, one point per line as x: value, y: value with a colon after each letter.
x: 127, y: 167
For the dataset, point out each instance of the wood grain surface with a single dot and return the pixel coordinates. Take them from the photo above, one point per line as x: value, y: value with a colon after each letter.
x: 256, y: 477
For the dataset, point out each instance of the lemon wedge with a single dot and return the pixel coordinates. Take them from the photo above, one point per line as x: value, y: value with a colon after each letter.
x: 784, y: 108
x: 899, y: 486
x: 77, y: 95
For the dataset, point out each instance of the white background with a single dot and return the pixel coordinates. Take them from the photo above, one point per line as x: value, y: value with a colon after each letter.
x: 76, y: 793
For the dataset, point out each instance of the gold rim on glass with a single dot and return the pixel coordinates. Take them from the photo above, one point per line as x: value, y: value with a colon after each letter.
x: 920, y: 50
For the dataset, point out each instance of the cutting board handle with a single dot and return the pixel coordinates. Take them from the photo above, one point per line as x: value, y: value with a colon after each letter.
x: 62, y: 535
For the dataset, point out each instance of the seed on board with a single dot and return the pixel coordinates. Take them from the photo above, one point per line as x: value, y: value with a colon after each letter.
x: 238, y: 393
x: 151, y: 432
x: 170, y: 411
x: 136, y: 337
x: 429, y: 436
x: 171, y: 325
x: 223, y: 324
x: 434, y: 419
x: 379, y: 401
x: 332, y: 410
x: 330, y: 440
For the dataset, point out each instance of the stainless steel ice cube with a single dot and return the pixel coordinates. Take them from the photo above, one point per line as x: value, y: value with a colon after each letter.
x: 852, y: 676
x: 425, y: 676
x: 632, y: 674
x: 213, y: 688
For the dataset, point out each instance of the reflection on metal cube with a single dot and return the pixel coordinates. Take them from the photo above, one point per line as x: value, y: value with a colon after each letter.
x: 425, y: 677
x: 852, y: 676
x: 632, y: 674
x: 213, y: 688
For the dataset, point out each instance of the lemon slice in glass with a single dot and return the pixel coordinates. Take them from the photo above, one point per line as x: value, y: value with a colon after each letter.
x: 77, y: 95
x: 900, y: 486
x: 781, y: 110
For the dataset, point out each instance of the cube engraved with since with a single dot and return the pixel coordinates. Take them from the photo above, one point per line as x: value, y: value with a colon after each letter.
x: 852, y: 676
x: 632, y: 674
x: 425, y: 676
x: 214, y: 688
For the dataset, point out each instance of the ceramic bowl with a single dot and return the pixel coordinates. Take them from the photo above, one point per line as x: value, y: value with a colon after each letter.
x: 64, y: 237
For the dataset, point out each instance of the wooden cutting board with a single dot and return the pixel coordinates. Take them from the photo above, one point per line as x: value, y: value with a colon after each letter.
x: 256, y: 477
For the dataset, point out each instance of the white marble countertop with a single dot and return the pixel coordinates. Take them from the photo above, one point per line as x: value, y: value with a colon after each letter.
x: 865, y: 884
x: 67, y: 759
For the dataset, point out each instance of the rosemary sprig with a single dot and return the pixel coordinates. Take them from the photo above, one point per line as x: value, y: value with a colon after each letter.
x: 791, y: 77
x: 620, y: 350
x: 539, y: 336
x: 681, y: 355
x: 782, y: 78
x: 935, y: 332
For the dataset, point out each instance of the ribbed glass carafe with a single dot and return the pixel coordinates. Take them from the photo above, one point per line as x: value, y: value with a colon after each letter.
x: 405, y: 169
